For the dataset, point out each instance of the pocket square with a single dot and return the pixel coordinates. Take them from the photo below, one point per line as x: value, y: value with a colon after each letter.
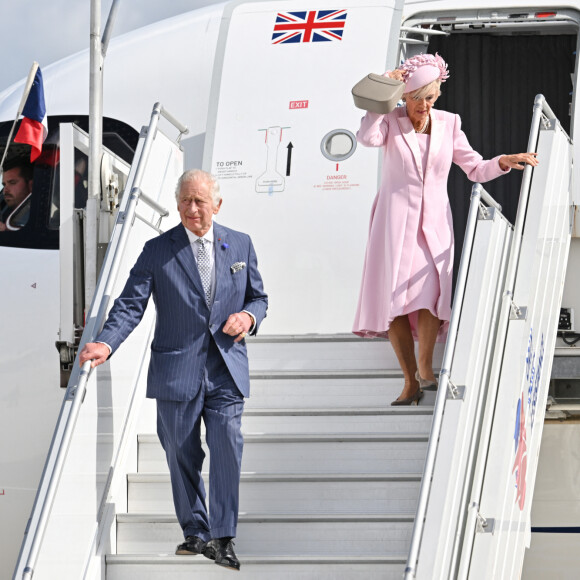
x: 237, y: 267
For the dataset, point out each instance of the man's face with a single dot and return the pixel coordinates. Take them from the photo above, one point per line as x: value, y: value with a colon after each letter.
x: 196, y: 206
x: 16, y: 188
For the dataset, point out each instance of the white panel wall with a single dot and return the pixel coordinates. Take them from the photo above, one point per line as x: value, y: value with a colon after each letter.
x: 310, y: 229
x: 527, y: 360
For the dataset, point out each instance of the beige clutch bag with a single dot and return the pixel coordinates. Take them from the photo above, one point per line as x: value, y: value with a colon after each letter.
x: 377, y: 93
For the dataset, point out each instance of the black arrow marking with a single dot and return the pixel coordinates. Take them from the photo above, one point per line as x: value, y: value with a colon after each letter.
x: 289, y: 158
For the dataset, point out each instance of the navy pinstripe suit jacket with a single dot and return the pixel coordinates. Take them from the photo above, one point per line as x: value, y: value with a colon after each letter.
x: 166, y: 270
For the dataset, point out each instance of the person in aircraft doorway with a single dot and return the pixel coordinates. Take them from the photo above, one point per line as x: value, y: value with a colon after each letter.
x: 15, y: 197
x: 407, y: 276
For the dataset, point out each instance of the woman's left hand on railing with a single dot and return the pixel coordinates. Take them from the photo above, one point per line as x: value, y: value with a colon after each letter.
x: 515, y: 160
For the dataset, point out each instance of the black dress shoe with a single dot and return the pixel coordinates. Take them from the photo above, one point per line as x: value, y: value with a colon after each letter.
x: 191, y: 547
x: 222, y: 551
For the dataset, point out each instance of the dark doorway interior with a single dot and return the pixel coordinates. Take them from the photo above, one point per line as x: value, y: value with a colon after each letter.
x: 492, y: 85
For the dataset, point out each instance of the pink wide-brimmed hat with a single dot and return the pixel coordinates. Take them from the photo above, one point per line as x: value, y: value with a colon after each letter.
x: 423, y: 69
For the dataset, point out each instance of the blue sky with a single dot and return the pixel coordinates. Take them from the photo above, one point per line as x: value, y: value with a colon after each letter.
x: 48, y: 30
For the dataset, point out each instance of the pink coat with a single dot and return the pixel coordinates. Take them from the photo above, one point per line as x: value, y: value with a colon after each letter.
x: 404, y: 196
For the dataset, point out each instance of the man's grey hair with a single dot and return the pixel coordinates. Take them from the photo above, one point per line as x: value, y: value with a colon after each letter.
x: 204, y: 176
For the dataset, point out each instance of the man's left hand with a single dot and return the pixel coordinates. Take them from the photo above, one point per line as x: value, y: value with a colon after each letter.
x: 238, y: 325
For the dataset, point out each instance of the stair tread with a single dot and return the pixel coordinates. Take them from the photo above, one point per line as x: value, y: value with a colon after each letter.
x: 337, y: 411
x: 317, y: 437
x: 386, y: 373
x: 312, y: 337
x: 287, y: 518
x: 297, y: 477
x: 164, y: 558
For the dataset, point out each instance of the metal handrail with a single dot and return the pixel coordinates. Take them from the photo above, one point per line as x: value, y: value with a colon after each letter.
x: 77, y: 385
x: 541, y: 109
x: 477, y: 194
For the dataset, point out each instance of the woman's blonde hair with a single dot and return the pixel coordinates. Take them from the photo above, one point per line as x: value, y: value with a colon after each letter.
x: 425, y: 90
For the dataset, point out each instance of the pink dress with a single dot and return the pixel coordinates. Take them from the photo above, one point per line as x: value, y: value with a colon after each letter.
x: 409, y: 258
x: 421, y: 288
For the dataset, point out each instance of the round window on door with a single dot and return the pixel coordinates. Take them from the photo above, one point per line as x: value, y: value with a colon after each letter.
x: 338, y: 145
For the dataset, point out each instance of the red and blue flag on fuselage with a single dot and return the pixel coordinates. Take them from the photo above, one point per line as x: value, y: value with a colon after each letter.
x: 309, y: 26
x: 33, y: 128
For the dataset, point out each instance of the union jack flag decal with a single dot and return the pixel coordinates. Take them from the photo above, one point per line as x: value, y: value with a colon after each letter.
x: 309, y: 26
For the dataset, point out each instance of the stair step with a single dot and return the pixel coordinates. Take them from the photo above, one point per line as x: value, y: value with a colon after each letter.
x: 329, y: 390
x: 330, y: 472
x: 343, y: 351
x: 296, y: 535
x: 293, y: 493
x: 381, y: 411
x: 323, y: 373
x: 346, y: 421
x: 313, y: 453
x: 153, y: 567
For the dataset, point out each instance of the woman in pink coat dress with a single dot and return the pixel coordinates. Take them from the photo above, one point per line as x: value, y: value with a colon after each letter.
x: 407, y: 275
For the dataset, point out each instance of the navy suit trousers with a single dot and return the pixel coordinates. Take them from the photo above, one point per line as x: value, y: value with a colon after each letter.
x: 220, y: 404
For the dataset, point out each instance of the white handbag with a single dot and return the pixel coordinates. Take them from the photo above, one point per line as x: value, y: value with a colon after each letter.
x: 377, y: 93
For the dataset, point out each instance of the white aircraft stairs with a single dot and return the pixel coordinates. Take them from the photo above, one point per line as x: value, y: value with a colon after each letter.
x: 336, y: 484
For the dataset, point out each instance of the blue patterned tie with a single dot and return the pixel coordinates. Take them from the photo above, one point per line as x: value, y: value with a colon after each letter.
x: 204, y: 267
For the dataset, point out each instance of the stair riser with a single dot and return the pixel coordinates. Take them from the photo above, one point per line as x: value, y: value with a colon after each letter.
x: 350, y: 355
x: 197, y: 569
x: 375, y: 497
x: 323, y: 393
x: 279, y: 538
x: 315, y: 354
x: 347, y: 457
x: 345, y: 424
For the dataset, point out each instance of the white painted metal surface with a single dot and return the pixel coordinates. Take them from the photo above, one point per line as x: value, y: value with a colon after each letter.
x: 90, y: 477
x: 309, y: 223
x: 526, y: 361
x: 469, y: 371
x: 30, y: 395
x: 66, y: 248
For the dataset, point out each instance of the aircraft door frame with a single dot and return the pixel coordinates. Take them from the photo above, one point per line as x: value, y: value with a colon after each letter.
x: 114, y: 174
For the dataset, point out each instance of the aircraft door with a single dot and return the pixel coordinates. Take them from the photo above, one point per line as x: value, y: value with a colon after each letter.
x: 281, y: 141
x: 74, y: 149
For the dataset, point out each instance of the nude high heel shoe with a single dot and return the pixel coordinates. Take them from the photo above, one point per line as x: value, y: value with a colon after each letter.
x: 426, y: 385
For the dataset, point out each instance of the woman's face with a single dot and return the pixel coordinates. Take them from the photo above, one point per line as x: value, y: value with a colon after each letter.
x: 419, y: 109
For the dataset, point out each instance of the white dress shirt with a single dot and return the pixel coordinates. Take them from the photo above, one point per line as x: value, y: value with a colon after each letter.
x: 210, y: 241
x: 210, y: 245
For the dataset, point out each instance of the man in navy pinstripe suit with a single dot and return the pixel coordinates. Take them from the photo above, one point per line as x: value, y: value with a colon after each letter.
x: 209, y: 295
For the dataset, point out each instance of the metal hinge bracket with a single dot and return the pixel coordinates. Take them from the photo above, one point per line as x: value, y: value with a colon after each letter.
x: 486, y: 213
x: 485, y: 526
x: 455, y: 392
x: 518, y: 312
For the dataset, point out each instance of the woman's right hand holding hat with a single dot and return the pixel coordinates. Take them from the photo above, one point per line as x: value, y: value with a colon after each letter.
x: 396, y: 74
